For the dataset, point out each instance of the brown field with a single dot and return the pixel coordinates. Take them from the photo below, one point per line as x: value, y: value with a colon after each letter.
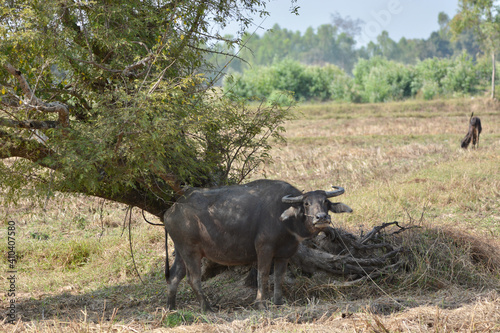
x: 397, y: 162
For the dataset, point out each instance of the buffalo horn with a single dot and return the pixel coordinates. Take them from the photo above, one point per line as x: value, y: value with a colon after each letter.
x: 290, y: 199
x: 339, y: 190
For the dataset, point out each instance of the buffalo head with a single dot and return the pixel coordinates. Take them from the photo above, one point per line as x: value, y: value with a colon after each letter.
x: 312, y: 208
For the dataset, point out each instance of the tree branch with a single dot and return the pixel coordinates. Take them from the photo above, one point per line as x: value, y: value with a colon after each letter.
x: 125, y: 72
x: 12, y: 146
x: 137, y: 195
x: 36, y: 103
x: 30, y: 124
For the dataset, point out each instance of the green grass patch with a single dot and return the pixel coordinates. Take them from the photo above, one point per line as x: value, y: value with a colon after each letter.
x: 178, y: 318
x: 58, y: 254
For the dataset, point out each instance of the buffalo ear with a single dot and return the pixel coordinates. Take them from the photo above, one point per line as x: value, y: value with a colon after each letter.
x: 290, y: 212
x: 339, y: 207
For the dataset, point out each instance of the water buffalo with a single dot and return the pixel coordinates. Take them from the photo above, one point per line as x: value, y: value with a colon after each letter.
x: 242, y: 224
x: 473, y: 133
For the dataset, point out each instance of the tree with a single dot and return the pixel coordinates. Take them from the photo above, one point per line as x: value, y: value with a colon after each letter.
x: 443, y: 20
x: 111, y: 99
x: 351, y: 27
x: 483, y: 17
x: 389, y: 48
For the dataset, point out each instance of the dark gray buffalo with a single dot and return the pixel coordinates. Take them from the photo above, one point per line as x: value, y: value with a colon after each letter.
x: 242, y: 224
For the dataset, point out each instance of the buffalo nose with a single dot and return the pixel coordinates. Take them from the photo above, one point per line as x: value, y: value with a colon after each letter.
x: 322, y: 217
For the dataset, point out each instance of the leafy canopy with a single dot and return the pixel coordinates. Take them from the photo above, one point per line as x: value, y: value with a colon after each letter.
x: 112, y: 98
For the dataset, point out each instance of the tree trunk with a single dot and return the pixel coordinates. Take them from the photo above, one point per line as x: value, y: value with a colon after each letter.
x: 493, y: 74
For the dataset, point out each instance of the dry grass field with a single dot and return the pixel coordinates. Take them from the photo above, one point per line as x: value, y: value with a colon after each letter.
x: 397, y: 161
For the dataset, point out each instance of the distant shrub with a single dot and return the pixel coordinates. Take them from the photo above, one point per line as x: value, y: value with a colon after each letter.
x: 340, y: 85
x: 435, y: 76
x: 462, y: 77
x: 430, y: 89
x: 283, y: 98
x: 381, y: 80
x: 431, y: 73
x: 483, y: 69
x: 364, y: 66
x: 303, y: 81
x: 257, y: 83
x: 290, y: 75
x: 320, y: 77
x: 329, y: 82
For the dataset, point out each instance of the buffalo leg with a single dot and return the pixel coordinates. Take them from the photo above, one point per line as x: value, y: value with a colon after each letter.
x: 193, y: 266
x: 263, y: 268
x: 279, y: 274
x: 177, y: 273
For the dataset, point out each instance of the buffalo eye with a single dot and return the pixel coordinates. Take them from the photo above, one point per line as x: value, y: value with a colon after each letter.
x: 306, y: 204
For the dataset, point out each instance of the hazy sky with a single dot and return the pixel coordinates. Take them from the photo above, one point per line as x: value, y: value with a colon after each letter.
x: 401, y: 18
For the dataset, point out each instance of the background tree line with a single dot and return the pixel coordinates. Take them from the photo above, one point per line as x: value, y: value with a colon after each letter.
x: 326, y: 65
x: 373, y: 80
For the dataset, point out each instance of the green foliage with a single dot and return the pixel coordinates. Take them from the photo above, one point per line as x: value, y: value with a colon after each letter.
x: 381, y: 80
x: 375, y: 80
x: 461, y: 77
x: 302, y: 81
x: 430, y: 74
x: 328, y: 82
x: 484, y: 69
x: 446, y: 77
x: 178, y: 318
x: 281, y: 98
x: 289, y: 75
x: 399, y: 70
x: 286, y: 75
x: 342, y: 87
x: 429, y: 89
x: 482, y: 17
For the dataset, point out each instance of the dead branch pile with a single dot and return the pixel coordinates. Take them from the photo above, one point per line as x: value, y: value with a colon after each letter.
x: 341, y: 253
